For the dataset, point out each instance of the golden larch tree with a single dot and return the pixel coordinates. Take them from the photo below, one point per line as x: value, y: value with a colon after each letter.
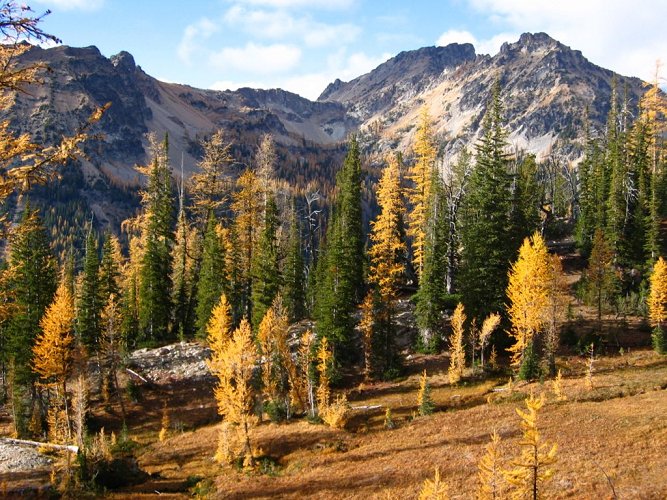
x: 528, y: 294
x: 388, y: 248
x: 111, y: 345
x: 531, y: 468
x: 556, y: 310
x: 489, y: 324
x: 366, y: 327
x: 304, y: 360
x: 218, y: 332
x: 278, y: 368
x: 457, y: 355
x: 53, y: 350
x: 434, y: 489
x: 657, y: 298
x: 236, y: 395
x: 53, y: 356
x: 247, y: 205
x: 419, y: 194
x: 490, y: 471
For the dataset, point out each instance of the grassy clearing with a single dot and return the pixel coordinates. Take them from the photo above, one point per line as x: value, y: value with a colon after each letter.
x: 612, y: 434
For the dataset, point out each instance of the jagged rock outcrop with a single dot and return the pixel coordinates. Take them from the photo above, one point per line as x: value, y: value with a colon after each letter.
x: 547, y: 90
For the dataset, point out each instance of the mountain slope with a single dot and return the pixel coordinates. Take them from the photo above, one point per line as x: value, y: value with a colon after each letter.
x: 547, y: 88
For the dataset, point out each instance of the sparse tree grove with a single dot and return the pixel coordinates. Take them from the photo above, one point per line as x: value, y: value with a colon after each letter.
x: 233, y: 258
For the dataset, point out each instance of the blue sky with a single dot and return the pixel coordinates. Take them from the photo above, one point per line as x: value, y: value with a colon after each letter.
x: 302, y: 45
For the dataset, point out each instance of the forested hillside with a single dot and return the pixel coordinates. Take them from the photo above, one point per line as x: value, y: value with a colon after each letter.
x: 316, y: 257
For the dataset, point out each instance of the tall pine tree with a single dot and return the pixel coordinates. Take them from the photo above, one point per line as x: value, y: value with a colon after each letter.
x: 89, y: 303
x: 487, y: 249
x: 155, y: 285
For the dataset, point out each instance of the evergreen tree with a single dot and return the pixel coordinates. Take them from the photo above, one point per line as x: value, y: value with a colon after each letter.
x: 294, y: 286
x: 487, y: 250
x: 266, y: 272
x: 600, y: 276
x: 110, y: 268
x: 387, y: 255
x: 32, y: 283
x: 181, y: 278
x: 211, y: 283
x: 340, y: 266
x: 155, y: 285
x: 430, y: 295
x: 89, y: 297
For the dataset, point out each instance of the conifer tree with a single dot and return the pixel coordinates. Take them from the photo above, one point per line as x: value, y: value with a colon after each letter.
x: 457, y: 356
x: 556, y: 310
x: 182, y: 279
x: 32, y: 283
x: 528, y: 294
x: 420, y: 196
x: 155, y: 272
x: 53, y: 349
x: 340, y: 266
x: 247, y: 205
x: 387, y: 255
x: 294, y: 286
x: 130, y: 292
x: 218, y: 330
x: 657, y: 304
x: 600, y: 275
x: 111, y: 345
x: 487, y: 250
x: 278, y: 369
x: 89, y: 297
x: 367, y: 329
x: 235, y: 393
x: 306, y: 381
x: 208, y: 184
x: 110, y: 268
x: 266, y: 272
x: 212, y: 269
x: 490, y: 471
x: 531, y: 468
x: 425, y: 405
x: 490, y: 323
x: 435, y: 489
x: 431, y: 292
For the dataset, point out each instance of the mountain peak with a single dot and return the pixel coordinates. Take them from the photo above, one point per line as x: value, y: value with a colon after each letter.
x: 531, y: 42
x: 124, y: 61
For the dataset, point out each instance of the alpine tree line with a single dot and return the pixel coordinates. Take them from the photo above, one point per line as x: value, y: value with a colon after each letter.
x: 223, y: 259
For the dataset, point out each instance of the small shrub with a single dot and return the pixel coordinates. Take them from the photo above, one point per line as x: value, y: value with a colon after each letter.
x: 336, y: 414
x: 425, y: 405
x: 530, y: 366
x: 276, y: 411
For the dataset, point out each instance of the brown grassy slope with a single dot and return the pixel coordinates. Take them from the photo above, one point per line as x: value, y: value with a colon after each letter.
x: 618, y: 428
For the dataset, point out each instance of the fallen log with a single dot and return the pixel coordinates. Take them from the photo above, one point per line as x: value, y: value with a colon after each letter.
x: 38, y: 444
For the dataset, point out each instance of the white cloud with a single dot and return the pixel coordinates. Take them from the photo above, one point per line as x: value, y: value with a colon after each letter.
x: 279, y: 24
x: 310, y: 85
x: 257, y: 59
x: 456, y: 36
x: 297, y: 4
x: 192, y: 36
x: 612, y: 33
x: 72, y: 4
x: 486, y: 46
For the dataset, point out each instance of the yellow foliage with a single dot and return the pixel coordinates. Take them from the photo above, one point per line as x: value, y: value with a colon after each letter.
x: 557, y: 387
x: 490, y: 471
x: 53, y: 349
x: 337, y: 413
x: 165, y: 423
x: 457, y: 358
x: 488, y: 326
x: 323, y: 360
x: 305, y: 386
x: 247, y: 206
x: 218, y: 332
x: 277, y: 362
x: 366, y: 326
x: 420, y: 194
x: 388, y: 249
x: 528, y: 294
x: 657, y: 299
x: 234, y: 392
x: 434, y: 489
x: 531, y: 468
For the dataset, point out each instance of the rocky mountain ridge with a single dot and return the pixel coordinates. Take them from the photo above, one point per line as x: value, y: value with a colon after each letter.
x: 547, y: 90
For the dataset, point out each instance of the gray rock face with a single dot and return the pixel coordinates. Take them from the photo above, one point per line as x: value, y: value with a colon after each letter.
x: 547, y: 88
x: 16, y: 457
x: 172, y: 363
